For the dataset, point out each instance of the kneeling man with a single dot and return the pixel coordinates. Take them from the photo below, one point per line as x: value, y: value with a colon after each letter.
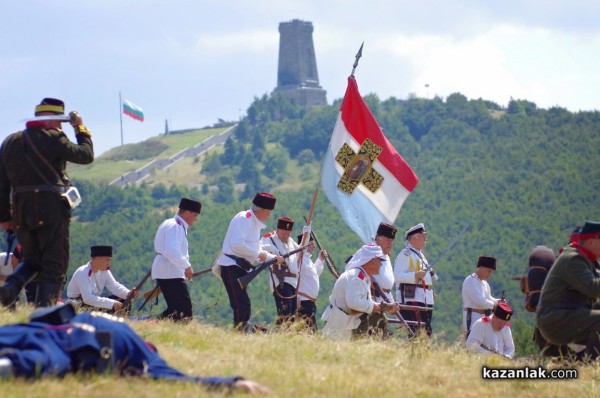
x: 492, y: 335
x: 89, y: 280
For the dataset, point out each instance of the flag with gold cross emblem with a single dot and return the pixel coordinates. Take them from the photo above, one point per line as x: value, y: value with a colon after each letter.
x: 362, y: 174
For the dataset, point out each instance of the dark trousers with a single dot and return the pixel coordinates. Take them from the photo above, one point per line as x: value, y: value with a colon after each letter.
x: 46, y: 248
x: 177, y: 296
x: 308, y: 313
x: 285, y: 301
x: 239, y: 300
x: 414, y: 315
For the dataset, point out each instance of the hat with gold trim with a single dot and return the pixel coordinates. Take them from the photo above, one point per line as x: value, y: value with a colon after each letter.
x: 51, y: 105
x: 285, y: 223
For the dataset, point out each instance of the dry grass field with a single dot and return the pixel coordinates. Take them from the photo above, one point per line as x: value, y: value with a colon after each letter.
x: 302, y: 365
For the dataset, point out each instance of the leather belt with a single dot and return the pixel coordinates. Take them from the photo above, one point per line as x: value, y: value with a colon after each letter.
x: 38, y: 188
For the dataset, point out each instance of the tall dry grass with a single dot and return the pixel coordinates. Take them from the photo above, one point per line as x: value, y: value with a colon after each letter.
x: 303, y: 365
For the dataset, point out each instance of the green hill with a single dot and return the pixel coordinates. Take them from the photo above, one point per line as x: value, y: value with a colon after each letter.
x: 522, y: 176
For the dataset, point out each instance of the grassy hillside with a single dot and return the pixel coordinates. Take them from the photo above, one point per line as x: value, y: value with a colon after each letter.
x: 130, y: 157
x: 300, y: 365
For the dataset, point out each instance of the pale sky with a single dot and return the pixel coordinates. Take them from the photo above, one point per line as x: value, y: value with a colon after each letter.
x: 195, y: 61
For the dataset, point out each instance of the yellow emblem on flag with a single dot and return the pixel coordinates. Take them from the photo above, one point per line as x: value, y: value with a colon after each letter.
x: 359, y: 167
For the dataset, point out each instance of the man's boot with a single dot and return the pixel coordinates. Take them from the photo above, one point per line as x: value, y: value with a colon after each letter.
x: 15, y: 282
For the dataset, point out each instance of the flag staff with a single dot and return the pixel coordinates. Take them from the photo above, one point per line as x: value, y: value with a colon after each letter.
x: 357, y: 57
x: 121, y: 116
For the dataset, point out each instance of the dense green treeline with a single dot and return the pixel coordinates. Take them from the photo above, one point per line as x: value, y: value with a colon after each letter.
x: 521, y: 176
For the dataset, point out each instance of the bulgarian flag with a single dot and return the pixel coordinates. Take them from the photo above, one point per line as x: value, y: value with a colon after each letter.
x: 363, y: 175
x: 132, y: 110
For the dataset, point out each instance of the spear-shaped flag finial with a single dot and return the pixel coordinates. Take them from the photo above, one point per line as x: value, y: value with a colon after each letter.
x: 357, y: 57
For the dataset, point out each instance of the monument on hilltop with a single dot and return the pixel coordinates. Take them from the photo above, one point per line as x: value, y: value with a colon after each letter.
x: 297, y: 76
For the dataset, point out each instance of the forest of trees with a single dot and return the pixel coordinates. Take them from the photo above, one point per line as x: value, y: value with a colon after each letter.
x: 520, y: 175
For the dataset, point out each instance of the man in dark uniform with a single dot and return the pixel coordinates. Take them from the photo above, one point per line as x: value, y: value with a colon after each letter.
x: 568, y: 310
x: 58, y: 341
x: 32, y: 184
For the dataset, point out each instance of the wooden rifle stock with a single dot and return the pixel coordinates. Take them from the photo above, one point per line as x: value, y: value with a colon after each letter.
x: 130, y: 297
x: 385, y: 298
x: 246, y: 279
x: 154, y: 293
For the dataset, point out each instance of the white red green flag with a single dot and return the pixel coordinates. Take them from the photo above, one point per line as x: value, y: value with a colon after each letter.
x: 363, y: 175
x: 133, y: 110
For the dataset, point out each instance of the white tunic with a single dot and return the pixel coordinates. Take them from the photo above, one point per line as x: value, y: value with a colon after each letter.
x: 482, y: 332
x: 476, y: 294
x: 242, y: 238
x: 351, y: 296
x: 309, y: 277
x: 385, y: 279
x: 274, y: 245
x: 408, y: 262
x: 88, y: 286
x: 171, y: 246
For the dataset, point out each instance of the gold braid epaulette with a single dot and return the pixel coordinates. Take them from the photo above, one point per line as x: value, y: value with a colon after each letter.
x: 81, y: 129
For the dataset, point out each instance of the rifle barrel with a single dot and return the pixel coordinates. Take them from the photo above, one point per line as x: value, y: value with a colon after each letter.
x: 246, y: 279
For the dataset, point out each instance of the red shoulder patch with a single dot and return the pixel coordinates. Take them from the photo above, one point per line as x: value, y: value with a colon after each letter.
x: 178, y: 222
x: 267, y: 234
x: 90, y: 273
x: 248, y: 214
x: 361, y: 276
x: 485, y: 319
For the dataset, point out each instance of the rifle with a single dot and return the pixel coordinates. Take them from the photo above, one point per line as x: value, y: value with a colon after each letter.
x: 328, y: 261
x: 449, y: 247
x: 493, y: 350
x: 385, y: 298
x: 246, y: 279
x: 154, y: 293
x: 10, y: 239
x: 130, y: 297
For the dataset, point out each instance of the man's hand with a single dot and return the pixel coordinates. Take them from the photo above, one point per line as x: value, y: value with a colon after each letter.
x: 189, y: 272
x: 117, y: 306
x: 280, y: 260
x: 420, y: 274
x: 262, y: 256
x: 134, y: 292
x: 75, y: 119
x: 322, y: 255
x: 251, y: 387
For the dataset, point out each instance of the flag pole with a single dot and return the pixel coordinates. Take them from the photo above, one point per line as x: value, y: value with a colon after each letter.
x: 121, y: 116
x: 357, y: 57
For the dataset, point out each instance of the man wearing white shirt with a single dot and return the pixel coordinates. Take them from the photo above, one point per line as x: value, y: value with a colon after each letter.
x: 492, y: 335
x: 171, y: 266
x: 476, y: 293
x: 414, y: 281
x: 351, y: 295
x: 241, y: 247
x: 376, y: 324
x: 88, y: 282
x: 283, y: 279
x: 308, y: 288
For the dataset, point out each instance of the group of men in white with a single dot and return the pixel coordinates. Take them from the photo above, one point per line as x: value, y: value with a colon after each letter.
x: 360, y: 296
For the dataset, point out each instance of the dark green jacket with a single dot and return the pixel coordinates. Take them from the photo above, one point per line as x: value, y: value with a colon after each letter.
x: 569, y: 294
x: 36, y: 208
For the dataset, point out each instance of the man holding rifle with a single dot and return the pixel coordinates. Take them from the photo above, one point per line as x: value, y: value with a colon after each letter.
x: 89, y: 280
x: 477, y: 295
x: 241, y: 247
x: 376, y: 324
x: 492, y: 335
x: 171, y: 266
x: 352, y: 296
x: 284, y: 277
x: 415, y: 282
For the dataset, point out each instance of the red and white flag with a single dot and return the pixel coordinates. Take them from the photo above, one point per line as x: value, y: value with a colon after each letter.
x: 363, y: 175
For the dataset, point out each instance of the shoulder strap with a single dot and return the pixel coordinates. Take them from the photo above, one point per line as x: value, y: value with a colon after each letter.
x: 43, y: 159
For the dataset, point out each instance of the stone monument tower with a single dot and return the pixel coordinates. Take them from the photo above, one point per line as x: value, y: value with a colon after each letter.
x: 297, y: 76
